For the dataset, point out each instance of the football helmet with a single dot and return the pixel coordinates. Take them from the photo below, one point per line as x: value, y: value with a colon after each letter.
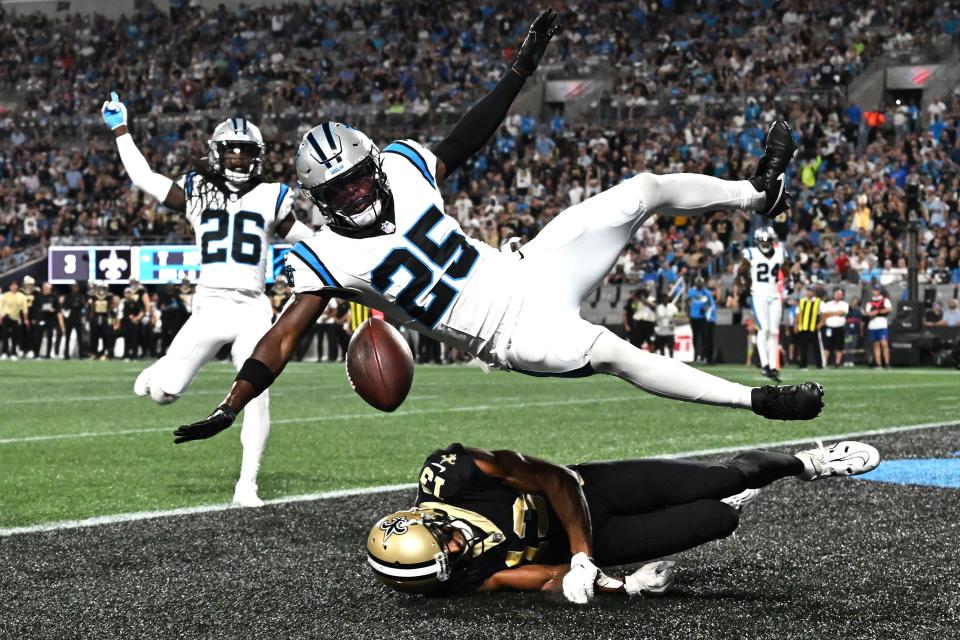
x: 415, y: 550
x: 28, y: 284
x: 241, y: 136
x: 764, y: 237
x: 338, y: 168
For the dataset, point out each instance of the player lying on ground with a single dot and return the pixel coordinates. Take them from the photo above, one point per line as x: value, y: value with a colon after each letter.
x: 489, y: 520
x: 390, y: 245
x: 234, y: 213
x: 760, y: 273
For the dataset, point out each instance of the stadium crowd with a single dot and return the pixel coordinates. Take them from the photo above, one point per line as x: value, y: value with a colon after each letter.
x: 294, y: 63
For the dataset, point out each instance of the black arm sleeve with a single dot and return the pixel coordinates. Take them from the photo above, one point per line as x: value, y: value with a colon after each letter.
x: 478, y: 124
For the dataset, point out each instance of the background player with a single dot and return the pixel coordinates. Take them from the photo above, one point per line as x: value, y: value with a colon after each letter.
x: 488, y: 520
x: 389, y: 244
x: 233, y: 212
x: 876, y: 312
x: 760, y: 272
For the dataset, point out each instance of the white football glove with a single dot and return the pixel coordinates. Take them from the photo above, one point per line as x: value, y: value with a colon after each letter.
x: 655, y: 577
x: 114, y: 112
x: 578, y: 583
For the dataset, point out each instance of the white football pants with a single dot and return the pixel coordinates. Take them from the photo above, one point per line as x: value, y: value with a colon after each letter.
x: 767, y: 312
x: 220, y: 316
x: 568, y: 260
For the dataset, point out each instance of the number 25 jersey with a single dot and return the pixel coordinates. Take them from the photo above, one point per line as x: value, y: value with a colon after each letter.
x: 426, y: 272
x: 233, y: 232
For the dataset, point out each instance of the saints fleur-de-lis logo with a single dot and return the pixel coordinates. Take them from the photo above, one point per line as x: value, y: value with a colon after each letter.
x: 392, y: 526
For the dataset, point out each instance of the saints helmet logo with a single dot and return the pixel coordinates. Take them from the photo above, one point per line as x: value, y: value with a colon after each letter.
x: 393, y: 526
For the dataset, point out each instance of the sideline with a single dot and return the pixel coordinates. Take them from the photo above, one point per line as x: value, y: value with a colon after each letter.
x: 345, y: 493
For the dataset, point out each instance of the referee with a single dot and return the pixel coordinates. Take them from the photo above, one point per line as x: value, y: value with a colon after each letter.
x: 808, y: 328
x: 358, y: 315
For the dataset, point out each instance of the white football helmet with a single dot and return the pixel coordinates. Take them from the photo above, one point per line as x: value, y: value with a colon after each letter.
x: 338, y: 168
x: 764, y: 237
x: 243, y: 136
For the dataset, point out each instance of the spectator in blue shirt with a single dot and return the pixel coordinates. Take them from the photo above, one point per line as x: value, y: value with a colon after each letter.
x: 700, y: 302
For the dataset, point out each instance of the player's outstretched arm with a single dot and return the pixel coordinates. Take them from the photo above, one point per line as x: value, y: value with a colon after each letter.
x: 269, y: 357
x: 653, y: 578
x: 561, y: 487
x: 480, y: 122
x: 159, y: 186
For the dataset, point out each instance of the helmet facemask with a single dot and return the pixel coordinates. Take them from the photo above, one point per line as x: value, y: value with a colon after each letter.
x: 764, y: 239
x: 353, y: 200
x: 237, y: 161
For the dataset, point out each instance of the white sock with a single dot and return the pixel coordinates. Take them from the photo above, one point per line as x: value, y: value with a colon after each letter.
x: 762, y: 344
x: 664, y: 376
x: 693, y: 193
x: 253, y: 436
x: 773, y: 348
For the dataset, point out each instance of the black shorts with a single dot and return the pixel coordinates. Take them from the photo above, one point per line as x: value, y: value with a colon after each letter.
x: 833, y: 338
x: 664, y: 342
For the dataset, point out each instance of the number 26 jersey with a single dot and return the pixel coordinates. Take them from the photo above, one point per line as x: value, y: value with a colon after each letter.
x: 426, y: 271
x: 233, y: 232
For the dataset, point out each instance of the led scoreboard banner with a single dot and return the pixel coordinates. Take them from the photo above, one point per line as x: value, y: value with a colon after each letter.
x: 150, y: 264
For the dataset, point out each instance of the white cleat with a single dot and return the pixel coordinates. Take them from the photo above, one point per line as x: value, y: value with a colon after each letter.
x: 142, y: 386
x: 740, y: 500
x: 847, y: 458
x: 245, y: 495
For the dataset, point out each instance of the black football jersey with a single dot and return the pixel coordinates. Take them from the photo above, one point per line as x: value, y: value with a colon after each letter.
x: 518, y: 528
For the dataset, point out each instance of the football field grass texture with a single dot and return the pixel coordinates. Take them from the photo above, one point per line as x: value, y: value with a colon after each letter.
x: 76, y: 443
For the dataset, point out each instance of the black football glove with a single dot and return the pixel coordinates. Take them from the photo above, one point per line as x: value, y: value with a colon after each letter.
x: 535, y: 44
x: 219, y: 420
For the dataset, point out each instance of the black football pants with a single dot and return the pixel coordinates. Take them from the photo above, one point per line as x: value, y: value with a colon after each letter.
x: 807, y: 342
x: 646, y: 509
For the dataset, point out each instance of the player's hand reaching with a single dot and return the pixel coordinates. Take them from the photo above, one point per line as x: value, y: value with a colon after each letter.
x: 219, y: 420
x: 535, y: 44
x: 114, y: 112
x: 578, y: 583
x: 654, y: 577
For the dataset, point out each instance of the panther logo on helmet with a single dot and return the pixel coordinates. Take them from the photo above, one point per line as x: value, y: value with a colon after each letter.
x: 338, y: 169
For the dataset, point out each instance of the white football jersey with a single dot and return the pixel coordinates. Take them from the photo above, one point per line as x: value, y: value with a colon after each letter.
x: 233, y: 233
x: 426, y: 271
x: 765, y: 270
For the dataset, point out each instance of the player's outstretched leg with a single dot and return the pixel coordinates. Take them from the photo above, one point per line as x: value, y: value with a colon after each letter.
x: 670, y: 378
x: 254, y: 319
x: 253, y: 437
x: 195, y: 344
x: 847, y: 458
x: 580, y: 246
x: 779, y: 149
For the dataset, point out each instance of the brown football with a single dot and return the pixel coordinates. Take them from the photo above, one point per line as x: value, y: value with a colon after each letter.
x: 380, y: 365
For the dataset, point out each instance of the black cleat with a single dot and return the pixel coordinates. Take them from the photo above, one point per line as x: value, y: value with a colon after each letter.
x: 779, y: 149
x: 793, y: 402
x: 773, y: 374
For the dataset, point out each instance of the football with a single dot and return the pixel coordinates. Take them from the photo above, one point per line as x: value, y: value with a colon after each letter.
x: 380, y: 365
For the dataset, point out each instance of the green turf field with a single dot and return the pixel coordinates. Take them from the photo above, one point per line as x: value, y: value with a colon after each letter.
x: 76, y: 443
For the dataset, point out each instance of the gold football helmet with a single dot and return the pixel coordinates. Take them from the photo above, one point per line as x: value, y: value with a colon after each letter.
x: 415, y: 550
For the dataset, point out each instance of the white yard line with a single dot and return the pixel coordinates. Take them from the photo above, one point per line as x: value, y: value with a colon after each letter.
x: 343, y: 493
x: 341, y: 416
